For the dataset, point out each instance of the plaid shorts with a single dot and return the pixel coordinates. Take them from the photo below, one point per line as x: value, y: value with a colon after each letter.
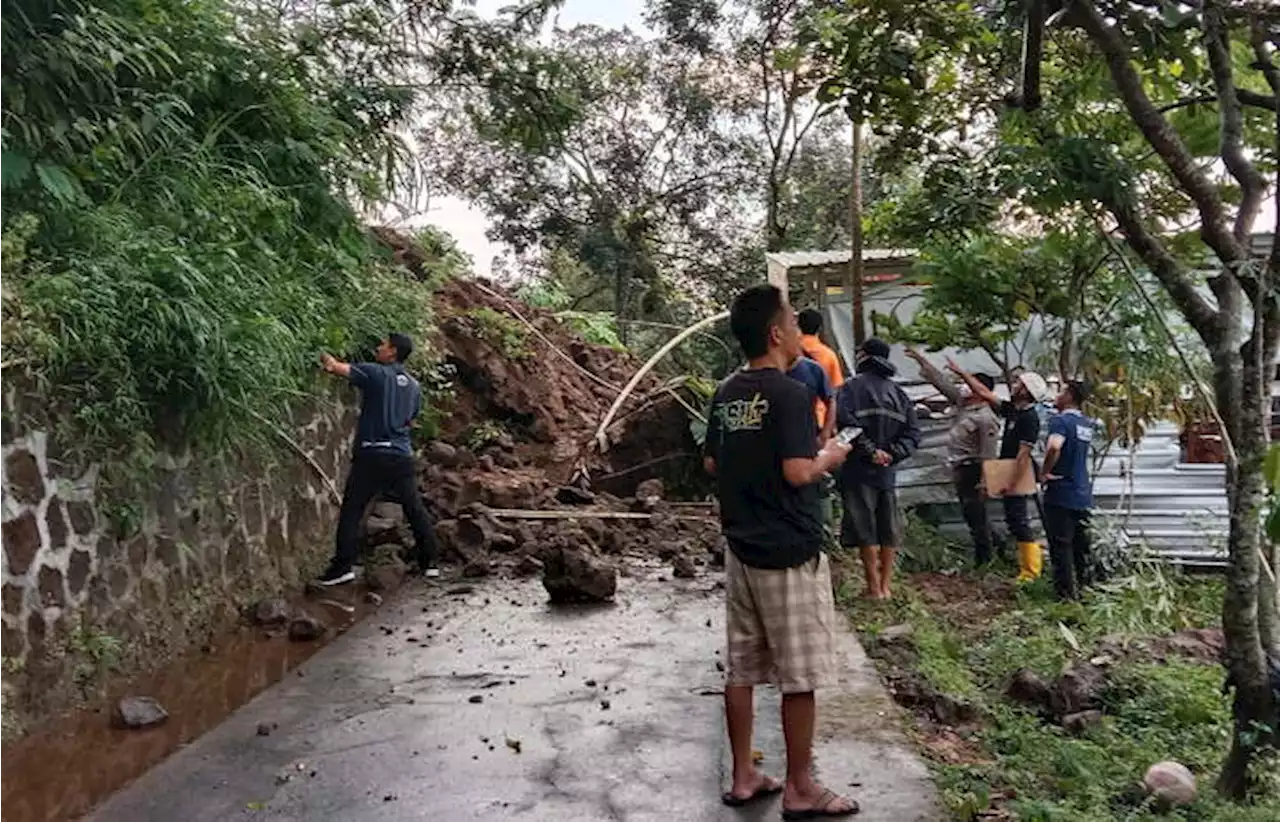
x: 780, y: 625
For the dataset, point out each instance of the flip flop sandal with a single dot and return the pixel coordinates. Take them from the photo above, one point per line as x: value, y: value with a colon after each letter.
x: 766, y: 789
x: 822, y: 810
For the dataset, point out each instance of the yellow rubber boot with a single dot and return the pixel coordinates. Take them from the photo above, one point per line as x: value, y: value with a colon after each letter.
x: 1030, y: 561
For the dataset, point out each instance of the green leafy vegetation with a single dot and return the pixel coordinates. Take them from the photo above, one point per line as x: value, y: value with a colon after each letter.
x: 97, y: 653
x: 507, y: 335
x: 180, y: 224
x: 1154, y: 710
x: 483, y: 434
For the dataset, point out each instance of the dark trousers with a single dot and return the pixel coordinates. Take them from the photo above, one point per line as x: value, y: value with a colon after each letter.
x: 375, y: 473
x: 1069, y: 551
x: 1018, y: 520
x: 973, y: 504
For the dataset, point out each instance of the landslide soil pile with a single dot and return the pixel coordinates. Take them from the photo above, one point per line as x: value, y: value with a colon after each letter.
x: 529, y: 394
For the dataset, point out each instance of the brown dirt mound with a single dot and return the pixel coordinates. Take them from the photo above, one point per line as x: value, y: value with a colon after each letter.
x: 522, y: 370
x: 529, y: 394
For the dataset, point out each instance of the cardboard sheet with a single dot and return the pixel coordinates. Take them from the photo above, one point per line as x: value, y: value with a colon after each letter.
x: 1000, y: 474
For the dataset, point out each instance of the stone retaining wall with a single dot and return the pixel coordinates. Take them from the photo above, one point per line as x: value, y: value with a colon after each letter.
x: 94, y: 586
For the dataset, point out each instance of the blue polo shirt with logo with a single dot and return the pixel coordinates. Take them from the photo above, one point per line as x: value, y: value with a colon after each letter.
x: 1072, y: 488
x: 389, y: 401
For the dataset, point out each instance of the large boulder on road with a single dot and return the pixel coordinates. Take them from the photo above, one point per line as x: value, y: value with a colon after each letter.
x: 573, y: 574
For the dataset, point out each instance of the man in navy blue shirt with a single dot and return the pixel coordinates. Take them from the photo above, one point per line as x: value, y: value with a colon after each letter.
x: 812, y: 376
x: 1068, y: 495
x: 872, y: 520
x: 382, y: 461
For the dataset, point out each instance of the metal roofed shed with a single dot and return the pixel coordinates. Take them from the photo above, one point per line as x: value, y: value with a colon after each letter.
x: 817, y: 279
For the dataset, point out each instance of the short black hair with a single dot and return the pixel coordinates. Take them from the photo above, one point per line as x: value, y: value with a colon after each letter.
x: 810, y: 321
x: 987, y: 381
x: 402, y: 344
x: 751, y: 315
x: 1079, y: 391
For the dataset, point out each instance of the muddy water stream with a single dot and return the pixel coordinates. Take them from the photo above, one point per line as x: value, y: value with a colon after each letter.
x: 65, y: 767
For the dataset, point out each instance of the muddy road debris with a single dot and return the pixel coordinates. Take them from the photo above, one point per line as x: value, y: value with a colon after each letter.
x: 512, y: 708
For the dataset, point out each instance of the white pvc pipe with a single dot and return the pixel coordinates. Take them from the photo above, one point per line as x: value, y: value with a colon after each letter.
x: 601, y: 440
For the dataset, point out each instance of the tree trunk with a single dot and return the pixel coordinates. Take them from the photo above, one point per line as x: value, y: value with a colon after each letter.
x: 1255, y: 708
x: 775, y: 234
x: 1065, y: 371
x: 855, y: 234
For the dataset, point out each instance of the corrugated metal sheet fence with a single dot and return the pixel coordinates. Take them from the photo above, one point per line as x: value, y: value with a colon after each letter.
x: 1149, y: 496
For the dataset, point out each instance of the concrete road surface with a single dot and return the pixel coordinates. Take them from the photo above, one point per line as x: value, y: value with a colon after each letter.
x: 493, y: 705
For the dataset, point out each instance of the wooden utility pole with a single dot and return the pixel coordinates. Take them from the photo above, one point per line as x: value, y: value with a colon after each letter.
x: 854, y: 284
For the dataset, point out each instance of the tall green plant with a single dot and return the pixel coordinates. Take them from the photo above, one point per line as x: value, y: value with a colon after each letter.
x: 181, y: 185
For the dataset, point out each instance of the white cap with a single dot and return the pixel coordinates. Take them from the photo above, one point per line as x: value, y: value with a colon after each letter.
x: 1036, y: 386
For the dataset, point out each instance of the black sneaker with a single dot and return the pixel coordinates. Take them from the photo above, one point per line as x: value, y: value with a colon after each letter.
x: 336, y: 575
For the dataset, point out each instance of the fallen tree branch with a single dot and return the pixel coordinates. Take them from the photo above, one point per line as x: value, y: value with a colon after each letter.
x: 521, y: 513
x: 556, y: 349
x: 543, y: 337
x: 600, y: 439
x: 645, y: 464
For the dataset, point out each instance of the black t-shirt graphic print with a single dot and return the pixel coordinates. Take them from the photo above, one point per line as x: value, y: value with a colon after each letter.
x: 758, y: 419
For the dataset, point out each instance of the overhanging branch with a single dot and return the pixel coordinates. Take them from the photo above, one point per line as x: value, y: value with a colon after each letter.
x: 1246, y: 97
x: 1202, y: 316
x: 1214, y: 223
x: 1252, y: 186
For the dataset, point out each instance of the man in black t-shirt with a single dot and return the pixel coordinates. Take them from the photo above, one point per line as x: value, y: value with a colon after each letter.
x: 1021, y: 431
x: 780, y: 618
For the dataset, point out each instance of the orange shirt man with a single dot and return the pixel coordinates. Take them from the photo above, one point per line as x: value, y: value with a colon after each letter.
x: 818, y: 351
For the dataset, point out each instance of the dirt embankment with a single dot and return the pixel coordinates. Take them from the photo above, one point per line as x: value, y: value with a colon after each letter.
x: 518, y: 433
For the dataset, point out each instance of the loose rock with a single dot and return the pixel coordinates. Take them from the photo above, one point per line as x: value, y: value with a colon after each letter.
x: 305, y: 628
x: 951, y: 710
x: 1171, y: 783
x: 441, y: 453
x: 479, y: 566
x: 1028, y: 688
x: 138, y: 712
x: 1078, y: 723
x: 386, y: 576
x: 682, y: 567
x: 573, y: 575
x: 651, y: 489
x: 271, y: 612
x: 1078, y: 689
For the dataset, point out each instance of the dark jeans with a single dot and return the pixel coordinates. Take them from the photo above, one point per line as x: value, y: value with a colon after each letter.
x: 374, y: 473
x: 1017, y: 519
x: 1069, y: 551
x: 973, y: 504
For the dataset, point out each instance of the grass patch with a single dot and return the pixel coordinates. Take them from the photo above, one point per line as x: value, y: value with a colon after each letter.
x: 971, y: 633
